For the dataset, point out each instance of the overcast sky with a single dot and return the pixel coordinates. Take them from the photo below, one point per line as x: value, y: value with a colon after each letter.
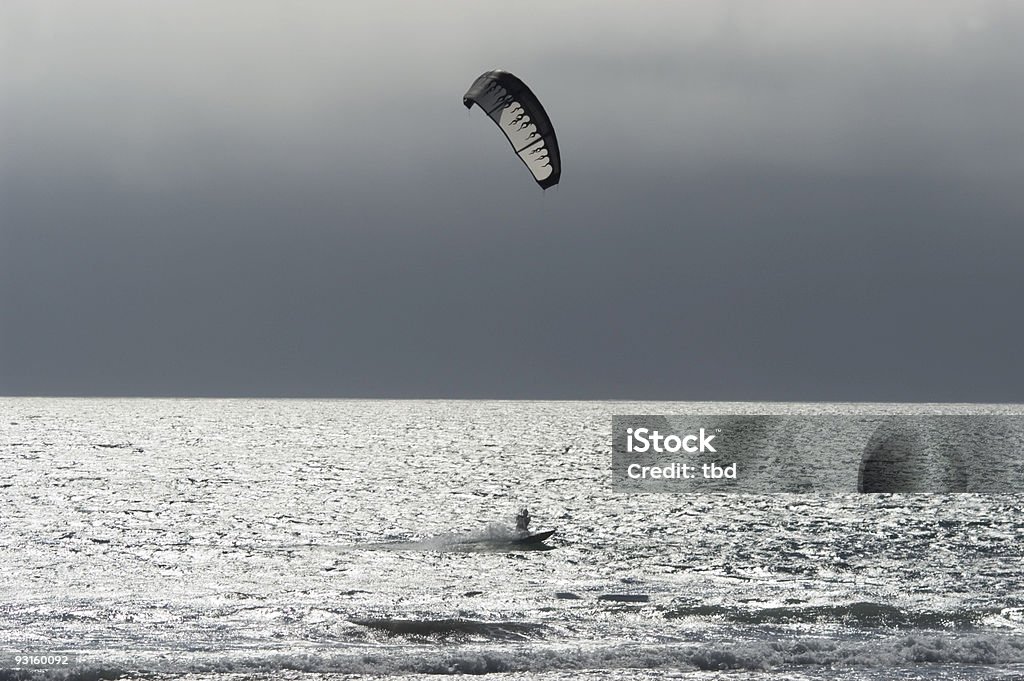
x: 784, y: 200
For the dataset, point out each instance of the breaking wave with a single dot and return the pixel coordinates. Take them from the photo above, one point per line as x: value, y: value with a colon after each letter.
x: 863, y: 614
x: 991, y: 651
x: 457, y: 629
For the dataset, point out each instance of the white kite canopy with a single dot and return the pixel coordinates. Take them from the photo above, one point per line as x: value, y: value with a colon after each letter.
x: 522, y: 119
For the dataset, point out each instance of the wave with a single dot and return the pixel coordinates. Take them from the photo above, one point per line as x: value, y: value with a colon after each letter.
x: 860, y: 614
x: 447, y: 629
x: 993, y: 652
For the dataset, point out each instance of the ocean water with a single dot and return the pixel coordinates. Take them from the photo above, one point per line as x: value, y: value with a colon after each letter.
x: 234, y: 539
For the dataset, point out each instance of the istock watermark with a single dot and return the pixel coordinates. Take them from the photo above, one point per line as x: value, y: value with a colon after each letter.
x: 819, y: 453
x: 641, y: 440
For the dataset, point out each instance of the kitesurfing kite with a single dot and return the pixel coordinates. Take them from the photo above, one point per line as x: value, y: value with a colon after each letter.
x: 520, y: 116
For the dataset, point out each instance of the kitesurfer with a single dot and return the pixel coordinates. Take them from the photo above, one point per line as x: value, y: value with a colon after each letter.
x: 523, y: 521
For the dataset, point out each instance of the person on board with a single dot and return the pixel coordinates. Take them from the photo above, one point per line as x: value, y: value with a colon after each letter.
x: 523, y: 521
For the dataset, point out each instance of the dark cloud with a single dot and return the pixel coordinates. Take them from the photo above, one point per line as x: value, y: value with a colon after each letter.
x: 754, y: 206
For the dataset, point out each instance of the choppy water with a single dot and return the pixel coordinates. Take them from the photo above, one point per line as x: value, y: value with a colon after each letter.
x: 311, y: 539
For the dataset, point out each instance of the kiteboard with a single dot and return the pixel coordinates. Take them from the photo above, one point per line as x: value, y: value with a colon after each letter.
x: 532, y: 538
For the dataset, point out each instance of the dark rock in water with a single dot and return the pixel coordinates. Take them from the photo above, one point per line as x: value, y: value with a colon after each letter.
x: 567, y: 595
x: 624, y: 598
x: 472, y: 593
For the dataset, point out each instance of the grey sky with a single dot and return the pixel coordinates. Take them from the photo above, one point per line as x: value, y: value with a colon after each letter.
x: 760, y: 200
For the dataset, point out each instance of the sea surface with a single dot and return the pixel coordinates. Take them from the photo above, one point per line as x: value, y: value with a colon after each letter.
x: 294, y: 539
